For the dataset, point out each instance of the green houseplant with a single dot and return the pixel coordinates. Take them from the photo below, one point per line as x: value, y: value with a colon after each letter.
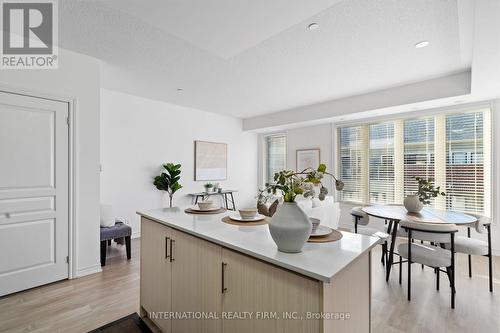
x: 290, y: 183
x: 209, y: 187
x: 168, y: 181
x: 425, y: 192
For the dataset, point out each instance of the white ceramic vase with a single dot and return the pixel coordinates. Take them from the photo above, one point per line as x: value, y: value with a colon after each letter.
x: 413, y: 204
x: 290, y: 228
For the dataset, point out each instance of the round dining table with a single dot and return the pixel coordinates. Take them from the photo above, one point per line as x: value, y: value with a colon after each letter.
x: 395, y: 213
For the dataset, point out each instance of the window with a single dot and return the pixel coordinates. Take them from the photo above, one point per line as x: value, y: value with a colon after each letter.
x: 465, y: 185
x: 418, y: 152
x: 351, y: 160
x: 275, y: 146
x: 379, y: 162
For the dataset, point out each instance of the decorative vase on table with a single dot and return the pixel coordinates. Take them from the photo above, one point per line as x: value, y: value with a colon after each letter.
x: 426, y: 191
x: 290, y: 228
x: 413, y: 204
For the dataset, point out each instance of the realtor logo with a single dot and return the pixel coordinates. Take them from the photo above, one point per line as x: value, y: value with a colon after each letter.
x: 29, y: 34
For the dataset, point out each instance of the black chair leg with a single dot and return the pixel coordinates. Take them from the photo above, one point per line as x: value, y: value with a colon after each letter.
x: 453, y: 291
x: 109, y: 242
x: 409, y: 264
x: 128, y: 247
x: 384, y: 253
x: 400, y: 269
x: 470, y: 265
x: 490, y: 263
x: 103, y: 252
x: 437, y: 279
x: 422, y: 242
x: 469, y: 256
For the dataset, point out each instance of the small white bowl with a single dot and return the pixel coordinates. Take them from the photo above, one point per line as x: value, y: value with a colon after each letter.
x: 204, y: 205
x: 248, y: 213
x: 315, y: 223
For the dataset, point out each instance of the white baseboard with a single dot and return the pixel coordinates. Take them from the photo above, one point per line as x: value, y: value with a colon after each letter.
x: 88, y: 270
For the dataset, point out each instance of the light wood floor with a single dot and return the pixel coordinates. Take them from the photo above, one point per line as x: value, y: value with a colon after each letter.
x: 77, y: 305
x: 83, y: 304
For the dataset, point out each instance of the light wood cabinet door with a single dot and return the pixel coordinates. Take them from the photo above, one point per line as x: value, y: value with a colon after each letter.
x: 196, y: 282
x: 262, y: 289
x: 156, y: 272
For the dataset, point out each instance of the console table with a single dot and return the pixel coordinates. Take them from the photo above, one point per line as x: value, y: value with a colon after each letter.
x: 227, y: 197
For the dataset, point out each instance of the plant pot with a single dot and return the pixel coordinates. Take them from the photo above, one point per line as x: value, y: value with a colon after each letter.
x: 290, y: 228
x: 412, y: 204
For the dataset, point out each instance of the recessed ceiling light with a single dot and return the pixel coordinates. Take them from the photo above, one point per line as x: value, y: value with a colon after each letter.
x: 313, y: 26
x: 422, y: 44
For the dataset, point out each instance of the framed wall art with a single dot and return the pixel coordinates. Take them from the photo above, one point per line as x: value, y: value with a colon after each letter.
x: 307, y: 158
x: 210, y: 160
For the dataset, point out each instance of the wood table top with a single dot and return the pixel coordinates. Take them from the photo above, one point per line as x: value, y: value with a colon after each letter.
x: 426, y: 215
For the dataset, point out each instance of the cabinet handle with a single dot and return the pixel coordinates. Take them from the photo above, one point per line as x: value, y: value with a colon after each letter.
x: 166, y: 247
x: 223, y: 268
x: 172, y: 241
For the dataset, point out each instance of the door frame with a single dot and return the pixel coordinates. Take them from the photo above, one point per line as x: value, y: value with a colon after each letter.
x: 72, y: 166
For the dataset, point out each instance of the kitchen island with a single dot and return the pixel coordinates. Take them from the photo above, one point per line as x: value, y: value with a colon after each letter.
x: 199, y: 274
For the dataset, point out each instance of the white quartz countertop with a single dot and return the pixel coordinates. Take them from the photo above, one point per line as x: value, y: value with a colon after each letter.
x: 319, y: 261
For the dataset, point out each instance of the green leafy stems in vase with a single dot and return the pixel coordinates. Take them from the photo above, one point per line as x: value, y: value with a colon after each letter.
x: 427, y: 191
x: 291, y: 183
x: 168, y: 181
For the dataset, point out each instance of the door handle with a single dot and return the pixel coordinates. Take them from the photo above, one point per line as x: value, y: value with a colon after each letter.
x: 172, y: 241
x: 166, y: 247
x: 223, y: 268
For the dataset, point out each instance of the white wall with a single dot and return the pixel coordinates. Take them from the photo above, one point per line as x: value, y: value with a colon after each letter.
x: 310, y: 137
x: 139, y: 135
x: 76, y: 78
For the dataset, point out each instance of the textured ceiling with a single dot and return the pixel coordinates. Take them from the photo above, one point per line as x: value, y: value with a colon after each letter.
x: 245, y: 58
x: 222, y: 27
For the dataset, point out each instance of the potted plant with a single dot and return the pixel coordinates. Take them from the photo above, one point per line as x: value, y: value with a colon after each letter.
x: 209, y: 187
x: 169, y: 181
x: 426, y: 191
x: 290, y: 227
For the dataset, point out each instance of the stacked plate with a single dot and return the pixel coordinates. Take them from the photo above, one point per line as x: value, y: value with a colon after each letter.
x: 239, y: 218
x: 321, y: 231
x: 204, y: 210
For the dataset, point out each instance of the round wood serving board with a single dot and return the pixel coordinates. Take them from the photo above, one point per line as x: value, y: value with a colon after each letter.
x: 228, y: 220
x: 334, y: 236
x: 208, y: 212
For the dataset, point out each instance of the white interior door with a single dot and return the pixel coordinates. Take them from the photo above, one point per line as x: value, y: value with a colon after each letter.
x: 33, y: 192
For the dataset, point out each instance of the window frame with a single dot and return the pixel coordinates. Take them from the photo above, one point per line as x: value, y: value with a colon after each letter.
x: 443, y: 112
x: 265, y: 153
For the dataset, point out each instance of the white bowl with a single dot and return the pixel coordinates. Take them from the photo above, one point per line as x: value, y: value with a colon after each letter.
x: 205, y: 205
x: 248, y: 213
x: 315, y: 223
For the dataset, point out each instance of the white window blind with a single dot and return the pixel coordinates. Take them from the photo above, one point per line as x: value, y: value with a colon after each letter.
x: 465, y: 162
x: 351, y: 163
x: 275, y: 155
x: 418, y: 152
x: 379, y: 162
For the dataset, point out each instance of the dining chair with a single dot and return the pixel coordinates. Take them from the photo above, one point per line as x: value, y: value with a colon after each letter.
x: 361, y: 220
x: 430, y: 255
x: 473, y: 246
